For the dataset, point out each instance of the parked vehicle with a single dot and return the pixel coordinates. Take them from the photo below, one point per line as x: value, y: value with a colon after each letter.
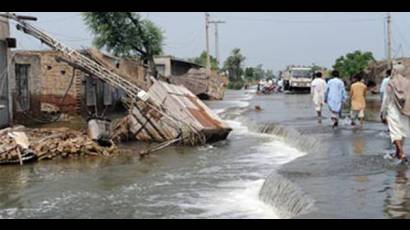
x: 296, y: 78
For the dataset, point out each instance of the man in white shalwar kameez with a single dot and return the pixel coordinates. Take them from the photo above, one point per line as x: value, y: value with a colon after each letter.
x: 317, y: 90
x: 398, y: 123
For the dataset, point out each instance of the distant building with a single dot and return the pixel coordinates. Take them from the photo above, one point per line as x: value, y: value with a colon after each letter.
x: 168, y: 65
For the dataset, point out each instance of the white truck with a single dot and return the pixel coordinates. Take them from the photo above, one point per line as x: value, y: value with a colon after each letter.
x: 297, y: 78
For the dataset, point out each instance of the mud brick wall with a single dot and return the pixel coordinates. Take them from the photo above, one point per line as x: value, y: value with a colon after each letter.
x: 49, y: 80
x: 56, y: 78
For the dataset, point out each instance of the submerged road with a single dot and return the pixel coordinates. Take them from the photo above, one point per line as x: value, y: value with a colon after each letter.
x: 277, y: 163
x: 345, y: 172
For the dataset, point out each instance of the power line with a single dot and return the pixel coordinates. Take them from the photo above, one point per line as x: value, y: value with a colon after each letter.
x: 190, y: 41
x: 64, y: 37
x: 59, y: 19
x: 401, y: 35
x: 305, y: 21
x: 216, y: 22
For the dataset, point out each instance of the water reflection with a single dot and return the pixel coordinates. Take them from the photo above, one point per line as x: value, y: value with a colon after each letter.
x: 361, y: 194
x: 398, y: 201
x: 14, y: 180
x: 359, y: 145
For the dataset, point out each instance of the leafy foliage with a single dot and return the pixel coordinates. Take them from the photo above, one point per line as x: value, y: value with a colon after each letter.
x: 353, y: 63
x: 201, y: 60
x: 125, y: 34
x: 257, y: 73
x: 249, y: 73
x: 269, y: 74
x: 237, y: 85
x: 233, y: 64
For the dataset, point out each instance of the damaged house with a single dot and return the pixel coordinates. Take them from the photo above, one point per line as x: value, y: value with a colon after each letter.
x: 41, y: 82
x: 69, y: 81
x: 191, y: 75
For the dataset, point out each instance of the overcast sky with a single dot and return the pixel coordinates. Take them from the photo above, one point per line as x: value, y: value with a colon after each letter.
x: 274, y: 40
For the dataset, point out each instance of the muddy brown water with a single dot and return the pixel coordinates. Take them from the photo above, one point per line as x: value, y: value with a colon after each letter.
x: 221, y: 180
x: 335, y: 173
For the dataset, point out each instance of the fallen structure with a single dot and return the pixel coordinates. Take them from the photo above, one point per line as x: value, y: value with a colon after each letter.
x: 188, y: 110
x: 198, y: 82
x: 165, y: 113
x: 20, y: 145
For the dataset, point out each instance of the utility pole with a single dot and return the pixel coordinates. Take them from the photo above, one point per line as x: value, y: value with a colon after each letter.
x: 208, y: 60
x: 216, y: 38
x: 389, y: 55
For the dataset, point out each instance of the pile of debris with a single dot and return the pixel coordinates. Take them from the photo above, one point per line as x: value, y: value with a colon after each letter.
x: 47, y: 144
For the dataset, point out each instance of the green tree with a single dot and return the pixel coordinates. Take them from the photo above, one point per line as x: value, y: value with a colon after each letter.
x: 233, y: 64
x: 316, y: 68
x: 269, y: 74
x: 353, y: 63
x: 201, y: 60
x: 126, y: 35
x: 249, y: 73
x: 258, y: 73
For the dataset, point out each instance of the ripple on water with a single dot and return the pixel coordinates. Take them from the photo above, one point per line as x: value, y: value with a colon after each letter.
x: 222, y: 181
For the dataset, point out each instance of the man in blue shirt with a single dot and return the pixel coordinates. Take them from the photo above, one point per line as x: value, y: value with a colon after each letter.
x: 335, y: 96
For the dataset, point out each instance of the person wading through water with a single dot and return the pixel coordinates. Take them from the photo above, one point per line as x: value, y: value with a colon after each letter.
x: 358, y: 100
x: 317, y: 90
x: 335, y: 96
x: 395, y: 110
x: 383, y: 85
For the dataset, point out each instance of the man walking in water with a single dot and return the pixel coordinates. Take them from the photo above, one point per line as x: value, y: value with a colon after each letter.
x: 317, y: 90
x: 395, y: 110
x: 383, y: 85
x: 335, y: 96
x: 358, y: 100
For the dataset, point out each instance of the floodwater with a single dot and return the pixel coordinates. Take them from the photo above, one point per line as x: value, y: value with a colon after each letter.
x: 277, y: 163
x: 222, y: 180
x: 345, y: 172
